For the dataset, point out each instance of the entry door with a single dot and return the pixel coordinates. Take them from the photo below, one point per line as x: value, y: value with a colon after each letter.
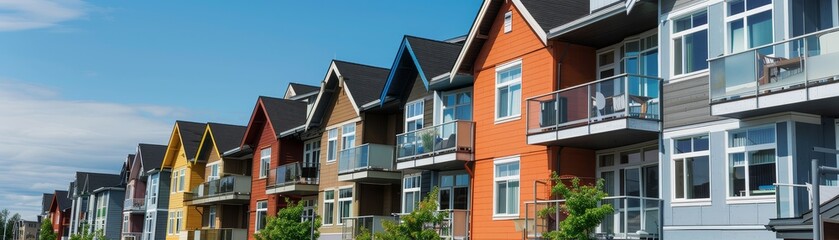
x: 633, y: 212
x: 454, y: 192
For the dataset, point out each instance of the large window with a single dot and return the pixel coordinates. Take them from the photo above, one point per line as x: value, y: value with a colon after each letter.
x: 751, y: 161
x: 331, y: 144
x: 457, y: 106
x: 153, y: 190
x: 348, y: 136
x: 344, y: 204
x: 311, y: 153
x: 214, y: 171
x: 328, y: 207
x: 414, y: 115
x: 691, y: 168
x: 178, y: 180
x: 637, y: 55
x: 690, y: 43
x: 454, y: 191
x: 749, y: 24
x: 261, y: 215
x: 264, y: 162
x: 508, y: 91
x: 506, y: 193
x: 211, y: 217
x: 410, y: 192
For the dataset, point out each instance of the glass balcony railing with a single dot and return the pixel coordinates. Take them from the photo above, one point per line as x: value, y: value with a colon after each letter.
x: 293, y: 173
x: 134, y: 204
x: 443, y: 138
x: 220, y: 234
x: 366, y: 157
x: 353, y: 226
x: 225, y: 185
x: 620, y: 96
x: 791, y: 200
x: 794, y: 63
x: 633, y: 218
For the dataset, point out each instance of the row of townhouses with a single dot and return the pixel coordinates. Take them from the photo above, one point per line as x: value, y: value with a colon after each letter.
x: 700, y: 116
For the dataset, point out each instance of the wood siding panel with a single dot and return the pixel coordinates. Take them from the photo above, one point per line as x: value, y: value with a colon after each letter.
x: 267, y: 138
x: 194, y: 177
x: 686, y: 103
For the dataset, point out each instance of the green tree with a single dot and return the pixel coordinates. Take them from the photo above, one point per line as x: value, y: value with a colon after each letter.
x: 8, y: 221
x: 289, y: 225
x: 421, y: 224
x: 85, y: 234
x: 46, y: 230
x: 582, y: 208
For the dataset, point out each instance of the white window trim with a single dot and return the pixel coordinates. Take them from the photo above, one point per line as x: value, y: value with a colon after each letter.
x: 345, y: 135
x: 313, y: 152
x: 333, y: 202
x: 508, y: 25
x: 495, y: 179
x: 421, y: 117
x: 332, y: 140
x: 263, y: 158
x: 520, y: 81
x: 417, y: 189
x: 256, y: 219
x: 745, y: 149
x: 210, y: 172
x: 339, y: 199
x: 674, y: 156
x: 743, y: 15
x: 616, y: 53
x: 455, y: 93
x: 682, y: 34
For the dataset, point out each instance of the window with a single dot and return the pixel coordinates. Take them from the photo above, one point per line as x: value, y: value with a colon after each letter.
x: 508, y: 21
x: 414, y: 115
x: 264, y: 162
x: 213, y: 172
x: 171, y: 225
x: 125, y: 223
x: 454, y: 191
x: 638, y: 55
x: 508, y: 91
x: 410, y: 192
x: 308, y: 209
x: 506, y: 187
x: 178, y: 178
x: 457, y: 106
x: 179, y: 217
x: 751, y: 161
x: 691, y: 168
x: 347, y: 136
x: 211, y: 217
x: 332, y: 136
x: 344, y: 204
x: 328, y: 207
x: 690, y: 43
x: 153, y: 190
x: 749, y: 24
x: 311, y: 153
x: 606, y: 64
x: 261, y: 214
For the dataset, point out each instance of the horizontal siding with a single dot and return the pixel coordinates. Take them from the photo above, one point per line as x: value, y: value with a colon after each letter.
x: 686, y: 103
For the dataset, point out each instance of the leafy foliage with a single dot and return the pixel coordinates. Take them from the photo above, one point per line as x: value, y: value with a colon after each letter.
x: 289, y: 225
x: 581, y: 207
x: 417, y: 225
x: 85, y: 234
x: 8, y: 223
x: 46, y: 230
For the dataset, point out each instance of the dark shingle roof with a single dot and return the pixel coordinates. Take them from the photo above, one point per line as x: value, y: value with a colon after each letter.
x: 87, y: 182
x: 63, y: 199
x: 46, y: 200
x: 190, y: 133
x: 303, y: 88
x: 547, y: 12
x: 364, y: 82
x: 434, y: 57
x: 284, y: 114
x: 151, y: 155
x: 227, y: 136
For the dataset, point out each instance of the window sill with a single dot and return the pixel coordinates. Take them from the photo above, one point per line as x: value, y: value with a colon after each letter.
x: 507, y: 119
x: 504, y: 217
x: 686, y: 76
x: 749, y: 200
x: 690, y: 202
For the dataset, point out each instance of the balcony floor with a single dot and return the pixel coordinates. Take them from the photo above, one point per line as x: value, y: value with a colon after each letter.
x: 293, y: 189
x: 450, y: 160
x: 820, y: 100
x: 599, y: 135
x: 227, y: 198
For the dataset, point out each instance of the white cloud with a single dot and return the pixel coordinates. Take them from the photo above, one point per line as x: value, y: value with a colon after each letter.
x: 31, y: 14
x: 46, y: 139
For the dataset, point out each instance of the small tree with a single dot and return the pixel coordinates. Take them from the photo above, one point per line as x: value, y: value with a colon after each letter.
x: 421, y: 224
x: 46, y: 230
x: 85, y: 234
x: 289, y: 225
x: 581, y: 208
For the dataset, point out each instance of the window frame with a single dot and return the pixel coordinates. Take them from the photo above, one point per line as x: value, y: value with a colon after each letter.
x: 746, y: 149
x: 744, y: 16
x: 456, y: 106
x: 417, y: 190
x: 332, y: 145
x: 265, y: 162
x: 340, y: 220
x: 331, y: 202
x: 311, y: 151
x: 508, y: 21
x: 345, y: 136
x: 508, y: 179
x: 182, y: 180
x: 684, y: 156
x: 681, y: 36
x: 215, y: 168
x: 260, y: 210
x: 420, y: 117
x: 509, y: 66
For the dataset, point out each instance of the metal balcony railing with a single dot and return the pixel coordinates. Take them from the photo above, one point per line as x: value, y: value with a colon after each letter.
x: 366, y: 157
x: 444, y: 138
x: 798, y: 62
x: 633, y: 218
x: 134, y: 204
x: 354, y: 226
x: 622, y: 96
x: 293, y: 173
x: 220, y: 234
x: 225, y: 185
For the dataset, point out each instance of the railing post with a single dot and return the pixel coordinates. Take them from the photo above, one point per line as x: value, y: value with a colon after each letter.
x: 588, y: 102
x: 625, y: 95
x: 625, y: 217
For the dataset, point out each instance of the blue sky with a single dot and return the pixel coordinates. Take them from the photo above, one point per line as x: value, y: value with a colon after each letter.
x: 82, y: 82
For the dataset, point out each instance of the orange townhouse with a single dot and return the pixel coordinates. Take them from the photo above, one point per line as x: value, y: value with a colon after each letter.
x: 276, y: 155
x: 559, y: 89
x: 435, y: 140
x: 59, y: 214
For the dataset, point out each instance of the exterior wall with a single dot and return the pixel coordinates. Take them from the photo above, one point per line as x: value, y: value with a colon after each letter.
x: 194, y: 177
x: 113, y: 222
x: 266, y: 139
x: 418, y: 91
x: 158, y: 211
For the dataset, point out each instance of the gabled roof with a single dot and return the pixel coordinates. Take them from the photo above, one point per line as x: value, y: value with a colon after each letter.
x: 540, y: 15
x: 430, y: 59
x: 61, y: 200
x: 186, y: 134
x: 280, y: 114
x: 86, y: 182
x: 150, y: 155
x: 221, y: 136
x: 46, y: 200
x: 125, y: 172
x: 362, y: 83
x: 295, y: 90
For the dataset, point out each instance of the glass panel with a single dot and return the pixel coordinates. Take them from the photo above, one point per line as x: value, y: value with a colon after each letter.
x: 700, y: 143
x: 651, y: 181
x: 738, y: 174
x: 503, y: 101
x: 762, y: 172
x: 696, y: 51
x: 678, y: 58
x: 501, y: 198
x: 823, y: 54
x: 461, y: 198
x: 760, y: 29
x: 447, y: 181
x: 735, y: 7
x: 752, y: 4
x: 445, y: 198
x: 632, y: 182
x: 679, y: 165
x: 683, y: 145
x: 699, y: 179
x: 513, y: 197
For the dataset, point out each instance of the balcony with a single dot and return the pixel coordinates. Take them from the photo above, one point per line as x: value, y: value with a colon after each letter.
x: 220, y: 234
x: 633, y: 218
x: 455, y: 225
x: 597, y: 115
x: 294, y: 178
x: 443, y: 146
x: 353, y: 226
x: 132, y: 236
x: 226, y: 190
x: 798, y: 74
x: 134, y: 205
x: 367, y: 163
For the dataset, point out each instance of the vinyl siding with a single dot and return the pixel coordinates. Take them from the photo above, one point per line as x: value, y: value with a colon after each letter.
x: 113, y: 225
x: 340, y: 111
x: 686, y: 103
x: 194, y: 177
x: 267, y: 138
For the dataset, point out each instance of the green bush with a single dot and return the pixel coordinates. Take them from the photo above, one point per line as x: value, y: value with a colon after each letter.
x: 46, y: 230
x: 289, y: 225
x: 581, y: 207
x: 421, y: 224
